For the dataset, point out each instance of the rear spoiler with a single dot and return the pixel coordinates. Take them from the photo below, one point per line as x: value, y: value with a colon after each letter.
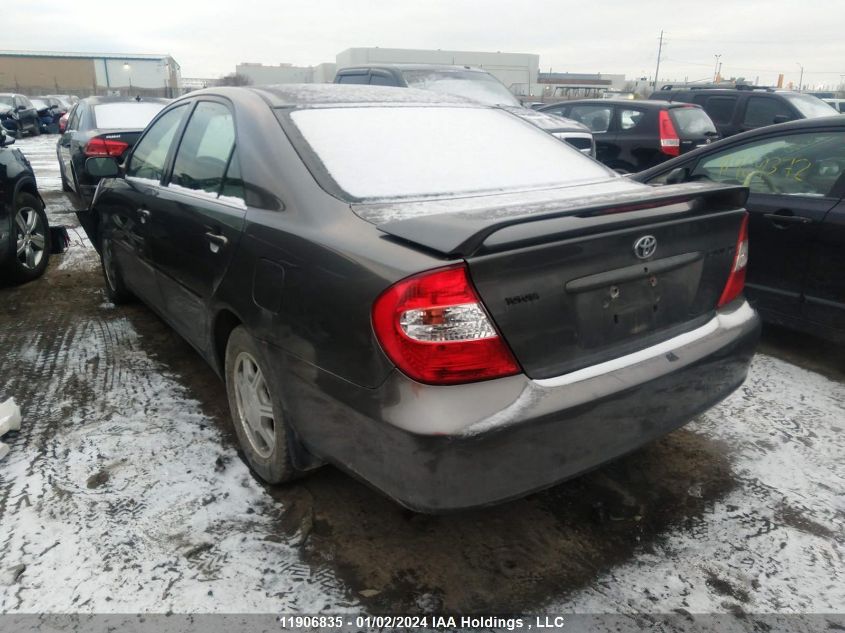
x: 462, y: 233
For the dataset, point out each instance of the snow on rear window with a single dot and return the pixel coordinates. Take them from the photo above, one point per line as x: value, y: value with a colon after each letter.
x: 398, y: 152
x: 115, y: 116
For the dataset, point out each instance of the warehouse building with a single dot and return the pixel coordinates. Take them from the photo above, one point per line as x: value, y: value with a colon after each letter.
x: 259, y: 74
x: 85, y: 74
x: 558, y: 86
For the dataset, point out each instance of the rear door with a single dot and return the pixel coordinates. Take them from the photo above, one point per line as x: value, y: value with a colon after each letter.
x: 199, y: 218
x: 824, y: 288
x: 637, y: 138
x: 792, y: 179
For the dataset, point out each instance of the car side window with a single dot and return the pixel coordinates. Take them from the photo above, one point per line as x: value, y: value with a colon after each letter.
x: 797, y: 164
x: 150, y: 154
x: 377, y: 79
x: 630, y: 118
x: 205, y: 148
x: 760, y: 111
x: 71, y: 119
x: 720, y: 109
x: 595, y: 117
x: 354, y: 78
x: 233, y: 184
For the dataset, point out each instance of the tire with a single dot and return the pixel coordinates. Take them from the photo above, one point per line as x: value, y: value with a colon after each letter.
x: 65, y: 184
x: 36, y: 130
x: 31, y: 229
x: 116, y: 289
x: 253, y: 396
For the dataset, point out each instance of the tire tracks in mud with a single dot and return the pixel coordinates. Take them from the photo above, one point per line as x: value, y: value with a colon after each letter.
x: 110, y: 495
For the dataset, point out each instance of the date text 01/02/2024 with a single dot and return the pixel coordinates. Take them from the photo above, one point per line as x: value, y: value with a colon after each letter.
x: 390, y: 622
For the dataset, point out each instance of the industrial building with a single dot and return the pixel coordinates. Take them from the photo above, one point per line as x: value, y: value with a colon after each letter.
x: 259, y: 74
x: 518, y: 71
x: 557, y: 86
x: 84, y: 74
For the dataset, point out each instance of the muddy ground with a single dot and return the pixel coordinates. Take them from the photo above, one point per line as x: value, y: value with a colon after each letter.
x: 124, y: 491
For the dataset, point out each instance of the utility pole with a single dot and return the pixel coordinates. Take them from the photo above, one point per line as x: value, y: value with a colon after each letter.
x: 801, y: 80
x: 716, y: 67
x: 659, y: 52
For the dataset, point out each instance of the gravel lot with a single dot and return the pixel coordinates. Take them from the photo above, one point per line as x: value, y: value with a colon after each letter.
x: 124, y: 491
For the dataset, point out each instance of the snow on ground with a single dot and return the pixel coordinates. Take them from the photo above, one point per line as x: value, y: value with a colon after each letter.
x: 785, y: 427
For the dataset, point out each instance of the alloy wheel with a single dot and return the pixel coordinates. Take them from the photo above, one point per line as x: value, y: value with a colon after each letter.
x: 255, y: 408
x: 31, y: 237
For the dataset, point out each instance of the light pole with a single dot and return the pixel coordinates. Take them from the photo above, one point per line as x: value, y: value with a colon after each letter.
x: 801, y: 80
x: 128, y: 69
x: 716, y: 67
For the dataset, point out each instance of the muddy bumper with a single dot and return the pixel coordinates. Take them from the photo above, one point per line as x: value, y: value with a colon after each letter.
x: 435, y: 449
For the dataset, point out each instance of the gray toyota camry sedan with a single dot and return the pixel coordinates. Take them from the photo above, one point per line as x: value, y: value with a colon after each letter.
x: 432, y: 295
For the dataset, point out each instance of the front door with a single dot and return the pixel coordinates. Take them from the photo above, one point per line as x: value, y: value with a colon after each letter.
x: 199, y: 218
x: 131, y: 220
x: 824, y: 288
x: 792, y: 178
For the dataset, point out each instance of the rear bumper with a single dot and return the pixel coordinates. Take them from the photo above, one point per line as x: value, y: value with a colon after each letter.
x: 436, y: 449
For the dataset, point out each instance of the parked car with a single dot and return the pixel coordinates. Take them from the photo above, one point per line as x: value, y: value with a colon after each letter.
x: 24, y: 230
x: 49, y: 114
x: 796, y: 174
x: 744, y: 108
x: 68, y: 100
x: 471, y: 83
x: 836, y: 104
x: 635, y: 135
x: 428, y: 293
x: 18, y: 115
x: 100, y: 126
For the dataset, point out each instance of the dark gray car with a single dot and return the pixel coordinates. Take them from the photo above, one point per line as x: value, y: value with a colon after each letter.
x: 433, y: 295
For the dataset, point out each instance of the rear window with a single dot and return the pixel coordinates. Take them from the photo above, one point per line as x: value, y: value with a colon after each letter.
x: 476, y: 86
x: 692, y: 122
x: 115, y: 116
x: 399, y: 152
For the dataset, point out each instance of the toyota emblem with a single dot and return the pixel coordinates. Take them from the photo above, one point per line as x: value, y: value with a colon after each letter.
x: 645, y: 246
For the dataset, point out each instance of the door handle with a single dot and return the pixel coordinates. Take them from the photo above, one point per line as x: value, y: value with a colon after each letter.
x: 144, y: 215
x: 781, y: 220
x: 216, y: 241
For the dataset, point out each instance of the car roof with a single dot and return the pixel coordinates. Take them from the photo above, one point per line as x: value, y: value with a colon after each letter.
x: 293, y: 95
x: 406, y: 66
x: 99, y: 100
x: 11, y: 94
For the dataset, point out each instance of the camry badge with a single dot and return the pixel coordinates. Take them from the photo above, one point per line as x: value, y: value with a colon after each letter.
x: 645, y: 246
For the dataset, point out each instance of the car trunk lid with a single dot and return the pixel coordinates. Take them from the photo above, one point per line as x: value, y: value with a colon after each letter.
x: 583, y: 278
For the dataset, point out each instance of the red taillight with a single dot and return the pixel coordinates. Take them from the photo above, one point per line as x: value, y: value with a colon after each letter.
x: 736, y: 280
x: 670, y: 142
x: 63, y: 123
x: 435, y: 329
x: 99, y: 146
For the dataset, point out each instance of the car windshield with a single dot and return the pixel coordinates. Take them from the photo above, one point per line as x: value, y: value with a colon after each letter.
x: 39, y: 104
x: 6, y: 100
x: 474, y: 85
x: 810, y: 107
x: 394, y: 152
x: 125, y: 115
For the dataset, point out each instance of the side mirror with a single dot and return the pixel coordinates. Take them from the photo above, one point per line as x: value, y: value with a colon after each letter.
x: 780, y: 118
x: 102, y: 167
x: 677, y: 176
x: 20, y: 108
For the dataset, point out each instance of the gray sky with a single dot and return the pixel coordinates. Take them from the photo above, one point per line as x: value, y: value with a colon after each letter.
x: 755, y: 38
